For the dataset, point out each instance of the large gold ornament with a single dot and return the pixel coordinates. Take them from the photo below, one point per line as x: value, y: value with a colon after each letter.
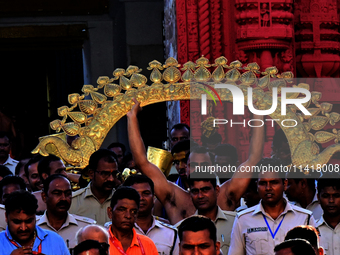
x: 112, y: 99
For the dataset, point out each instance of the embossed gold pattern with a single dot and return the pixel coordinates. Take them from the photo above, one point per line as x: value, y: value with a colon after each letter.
x: 98, y: 112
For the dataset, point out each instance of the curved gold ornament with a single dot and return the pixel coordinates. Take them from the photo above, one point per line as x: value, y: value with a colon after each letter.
x: 93, y: 117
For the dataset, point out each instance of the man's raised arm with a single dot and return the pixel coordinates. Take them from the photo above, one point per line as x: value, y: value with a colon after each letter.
x: 233, y: 189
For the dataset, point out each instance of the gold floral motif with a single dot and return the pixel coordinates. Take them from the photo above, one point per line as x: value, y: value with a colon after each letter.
x: 92, y: 115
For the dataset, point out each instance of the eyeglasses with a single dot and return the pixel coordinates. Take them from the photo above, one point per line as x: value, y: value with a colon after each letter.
x: 107, y: 174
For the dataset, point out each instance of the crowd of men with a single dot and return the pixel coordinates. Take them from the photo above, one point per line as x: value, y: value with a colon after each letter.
x: 149, y: 213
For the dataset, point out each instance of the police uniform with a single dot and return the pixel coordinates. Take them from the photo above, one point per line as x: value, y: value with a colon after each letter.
x: 11, y: 164
x: 251, y: 233
x: 224, y: 224
x: 163, y: 235
x: 69, y: 229
x: 84, y: 203
x: 314, y: 207
x: 329, y: 237
x: 3, y: 223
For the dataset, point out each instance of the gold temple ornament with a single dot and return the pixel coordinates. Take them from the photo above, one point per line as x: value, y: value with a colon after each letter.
x: 91, y: 119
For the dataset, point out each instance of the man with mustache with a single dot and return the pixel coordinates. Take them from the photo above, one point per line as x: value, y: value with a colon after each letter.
x: 31, y: 172
x: 57, y: 195
x: 257, y: 230
x: 93, y: 201
x: 22, y: 236
x: 123, y: 211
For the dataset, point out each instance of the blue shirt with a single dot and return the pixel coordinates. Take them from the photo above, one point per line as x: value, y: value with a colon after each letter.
x: 51, y: 243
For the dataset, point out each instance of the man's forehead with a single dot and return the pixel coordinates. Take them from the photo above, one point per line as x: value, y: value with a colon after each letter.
x: 20, y: 215
x: 179, y: 132
x: 141, y: 186
x: 126, y: 202
x: 199, y: 157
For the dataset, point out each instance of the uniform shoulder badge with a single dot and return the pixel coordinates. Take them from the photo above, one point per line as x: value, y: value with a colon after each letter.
x: 78, y: 192
x: 84, y: 219
x: 166, y: 225
x: 302, y: 210
x: 246, y: 211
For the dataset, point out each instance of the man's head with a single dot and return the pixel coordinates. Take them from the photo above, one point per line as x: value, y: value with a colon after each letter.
x: 20, y: 171
x: 197, y: 235
x: 57, y: 194
x: 89, y: 247
x: 178, y: 133
x: 211, y: 142
x: 308, y: 233
x: 10, y: 184
x: 251, y: 196
x: 124, y: 208
x: 203, y: 191
x: 145, y: 187
x: 31, y: 171
x: 298, y: 187
x: 329, y: 194
x: 93, y: 232
x: 20, y: 213
x: 198, y: 157
x: 119, y: 149
x: 226, y: 154
x: 103, y: 170
x: 271, y: 185
x: 180, y: 154
x: 4, y: 171
x: 280, y: 147
x: 5, y: 145
x: 50, y: 165
x: 294, y: 247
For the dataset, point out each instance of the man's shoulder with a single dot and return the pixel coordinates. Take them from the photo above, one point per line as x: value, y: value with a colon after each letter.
x: 145, y: 240
x: 84, y: 220
x: 165, y: 225
x: 301, y: 210
x: 245, y: 212
x: 78, y: 193
x: 230, y: 214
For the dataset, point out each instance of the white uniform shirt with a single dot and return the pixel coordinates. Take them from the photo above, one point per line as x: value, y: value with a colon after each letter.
x: 329, y: 237
x: 11, y: 164
x: 69, y: 229
x: 314, y: 207
x: 163, y: 235
x: 251, y: 235
x: 3, y: 223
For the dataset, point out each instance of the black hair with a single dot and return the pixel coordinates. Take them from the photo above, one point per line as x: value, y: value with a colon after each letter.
x: 226, y: 150
x: 197, y: 223
x: 4, y: 134
x: 36, y: 158
x: 297, y: 246
x: 183, y: 145
x: 88, y: 245
x: 213, y: 139
x: 275, y: 164
x: 279, y: 138
x: 23, y: 201
x: 180, y: 126
x: 201, y: 176
x: 44, y: 164
x: 21, y: 164
x: 4, y: 171
x: 137, y: 178
x: 329, y: 180
x: 199, y: 150
x: 105, y: 154
x: 124, y: 192
x: 10, y: 179
x: 306, y: 232
x: 51, y: 178
x: 117, y: 144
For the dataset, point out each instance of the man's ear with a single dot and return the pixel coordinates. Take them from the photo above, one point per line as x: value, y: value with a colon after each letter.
x: 6, y: 217
x: 285, y: 183
x: 44, y: 176
x: 43, y: 196
x: 303, y: 183
x: 217, y: 190
x: 91, y: 174
x: 218, y: 247
x: 321, y: 251
x: 109, y: 212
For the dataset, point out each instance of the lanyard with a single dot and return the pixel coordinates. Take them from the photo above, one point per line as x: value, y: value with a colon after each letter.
x: 16, y: 245
x: 277, y: 229
x: 121, y: 250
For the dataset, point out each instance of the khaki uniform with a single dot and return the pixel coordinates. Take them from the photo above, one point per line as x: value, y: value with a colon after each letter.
x: 251, y: 235
x: 84, y: 203
x: 314, y: 207
x: 163, y: 235
x: 3, y: 223
x: 224, y: 224
x: 69, y: 229
x: 329, y: 237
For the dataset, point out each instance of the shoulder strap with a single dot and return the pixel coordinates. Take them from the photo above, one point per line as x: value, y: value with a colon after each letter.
x: 308, y: 219
x: 174, y: 243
